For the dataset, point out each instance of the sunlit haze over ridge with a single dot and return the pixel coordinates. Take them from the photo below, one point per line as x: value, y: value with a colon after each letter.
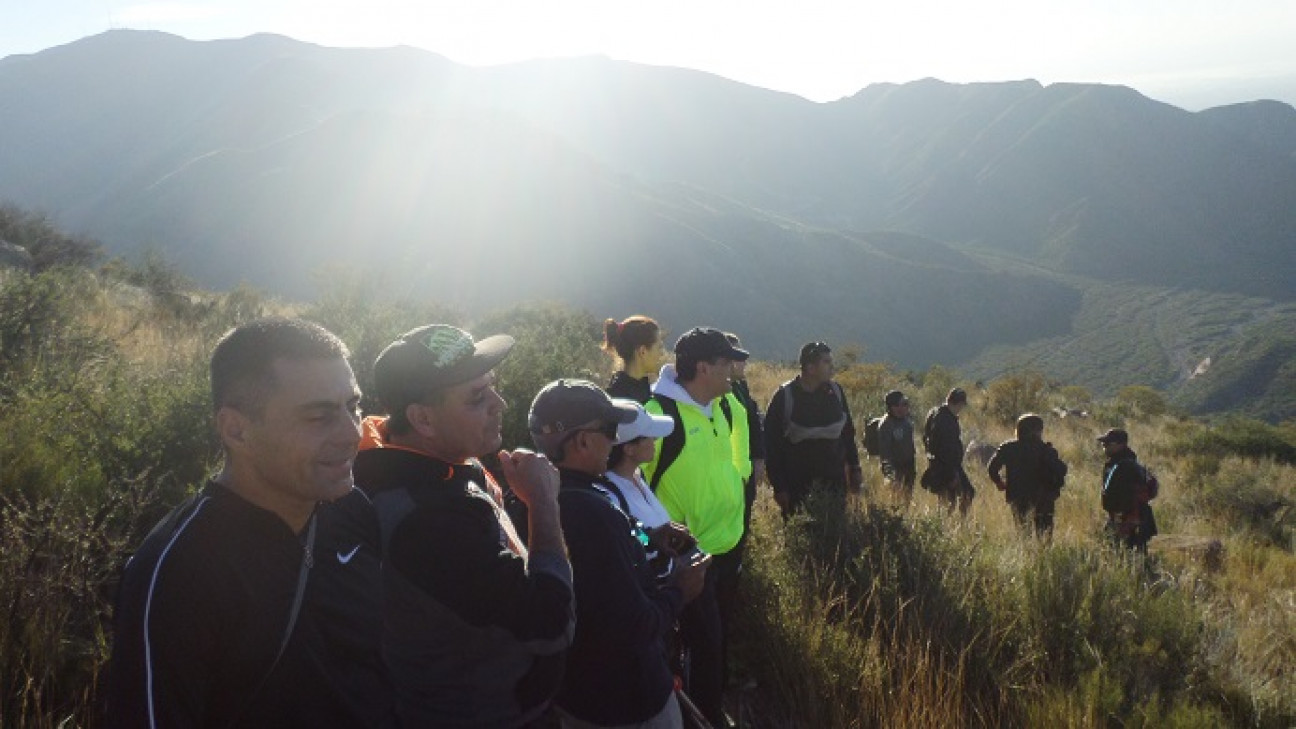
x: 1192, y: 53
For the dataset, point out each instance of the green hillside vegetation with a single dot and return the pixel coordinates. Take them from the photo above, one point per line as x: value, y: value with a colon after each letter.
x: 1125, y: 333
x: 856, y: 617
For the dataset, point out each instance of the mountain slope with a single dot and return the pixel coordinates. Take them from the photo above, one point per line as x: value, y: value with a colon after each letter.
x: 929, y: 221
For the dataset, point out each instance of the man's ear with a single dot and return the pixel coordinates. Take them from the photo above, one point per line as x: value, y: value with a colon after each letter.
x: 420, y: 419
x: 232, y: 427
x: 578, y: 441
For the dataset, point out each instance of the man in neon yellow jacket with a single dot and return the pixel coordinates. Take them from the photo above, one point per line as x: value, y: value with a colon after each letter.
x: 698, y: 478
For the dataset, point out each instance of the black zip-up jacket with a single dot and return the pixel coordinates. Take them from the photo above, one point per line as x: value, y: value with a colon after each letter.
x: 631, y: 388
x: 1119, y: 489
x: 755, y: 429
x: 473, y: 631
x: 205, y: 603
x: 944, y: 438
x: 1027, y: 465
x: 617, y: 672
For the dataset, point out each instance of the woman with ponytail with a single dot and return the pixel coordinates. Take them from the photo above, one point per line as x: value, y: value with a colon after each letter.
x: 637, y: 345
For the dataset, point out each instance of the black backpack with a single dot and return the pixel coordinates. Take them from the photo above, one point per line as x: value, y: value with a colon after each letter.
x: 673, y: 444
x: 872, y: 436
x: 1053, y: 471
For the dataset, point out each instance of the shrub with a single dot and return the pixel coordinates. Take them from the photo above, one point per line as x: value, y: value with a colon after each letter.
x: 49, y: 247
x: 1010, y: 396
x: 1237, y: 436
x: 553, y: 341
x: 1141, y: 401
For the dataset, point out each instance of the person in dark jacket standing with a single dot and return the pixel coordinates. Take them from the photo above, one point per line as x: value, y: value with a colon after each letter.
x: 755, y: 429
x: 1035, y: 474
x: 1125, y: 493
x: 809, y: 433
x: 617, y: 670
x: 255, y: 602
x: 896, y: 446
x: 636, y: 343
x: 476, y: 619
x: 943, y: 439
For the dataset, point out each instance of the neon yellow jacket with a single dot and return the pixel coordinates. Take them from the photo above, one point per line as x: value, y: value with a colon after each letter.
x: 740, y: 437
x: 703, y: 488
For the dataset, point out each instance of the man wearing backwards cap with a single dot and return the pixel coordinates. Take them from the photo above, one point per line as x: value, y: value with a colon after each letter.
x: 475, y: 621
x: 702, y: 488
x: 1125, y: 492
x: 617, y: 671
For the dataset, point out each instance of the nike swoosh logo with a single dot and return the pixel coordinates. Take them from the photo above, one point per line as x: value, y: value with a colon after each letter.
x: 344, y: 558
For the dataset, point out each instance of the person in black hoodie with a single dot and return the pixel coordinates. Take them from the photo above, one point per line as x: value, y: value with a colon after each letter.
x: 636, y: 343
x: 1035, y: 474
x: 1125, y: 493
x: 943, y: 439
x: 617, y: 670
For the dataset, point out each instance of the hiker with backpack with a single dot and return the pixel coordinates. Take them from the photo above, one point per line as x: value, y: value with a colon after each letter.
x: 1126, y: 490
x: 636, y: 343
x: 696, y: 475
x: 943, y: 439
x: 891, y: 439
x: 810, y: 435
x: 1034, y: 477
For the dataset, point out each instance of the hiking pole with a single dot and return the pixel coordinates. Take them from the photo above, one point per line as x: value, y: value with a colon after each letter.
x: 691, y: 712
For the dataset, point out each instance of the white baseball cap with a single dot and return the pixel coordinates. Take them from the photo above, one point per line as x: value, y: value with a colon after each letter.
x: 644, y: 424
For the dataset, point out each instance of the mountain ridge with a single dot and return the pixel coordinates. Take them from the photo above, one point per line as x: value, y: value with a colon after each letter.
x: 623, y: 188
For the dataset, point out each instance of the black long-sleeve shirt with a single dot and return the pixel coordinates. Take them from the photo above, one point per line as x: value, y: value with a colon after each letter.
x: 944, y: 438
x: 1028, y: 465
x: 204, y: 606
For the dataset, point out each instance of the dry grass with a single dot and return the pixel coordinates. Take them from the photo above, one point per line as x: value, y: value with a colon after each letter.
x: 867, y: 613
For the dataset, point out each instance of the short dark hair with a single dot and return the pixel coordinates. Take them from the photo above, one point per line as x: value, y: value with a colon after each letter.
x: 686, y: 367
x: 242, y: 364
x: 811, y: 352
x: 398, y: 421
x: 1030, y: 425
x: 955, y: 396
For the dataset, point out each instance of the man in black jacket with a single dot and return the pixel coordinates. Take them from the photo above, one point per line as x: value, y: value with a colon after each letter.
x: 896, y: 446
x: 255, y: 603
x: 943, y: 438
x: 476, y: 619
x: 617, y: 670
x: 810, y: 434
x: 1124, y: 493
x: 1035, y: 474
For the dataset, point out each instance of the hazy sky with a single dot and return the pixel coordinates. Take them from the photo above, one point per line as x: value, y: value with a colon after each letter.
x: 1188, y: 52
